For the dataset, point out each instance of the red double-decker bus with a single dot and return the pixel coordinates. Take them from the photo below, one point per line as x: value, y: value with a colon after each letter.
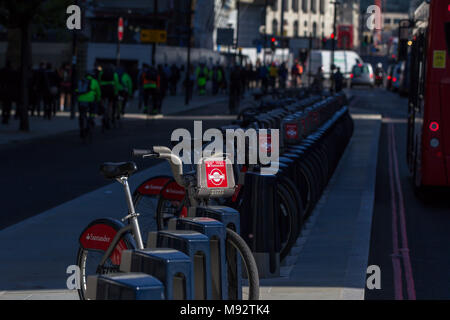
x: 428, y: 140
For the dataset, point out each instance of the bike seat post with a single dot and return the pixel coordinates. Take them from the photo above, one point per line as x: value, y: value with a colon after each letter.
x: 131, y: 211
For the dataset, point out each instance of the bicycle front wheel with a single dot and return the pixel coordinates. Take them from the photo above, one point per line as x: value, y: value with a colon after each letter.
x: 234, y: 241
x: 88, y: 261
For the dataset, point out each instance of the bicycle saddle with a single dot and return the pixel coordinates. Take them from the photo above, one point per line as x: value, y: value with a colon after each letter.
x: 111, y: 170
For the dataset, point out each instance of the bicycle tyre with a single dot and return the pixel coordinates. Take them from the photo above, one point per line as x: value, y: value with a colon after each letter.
x: 290, y: 211
x: 81, y: 256
x: 249, y: 263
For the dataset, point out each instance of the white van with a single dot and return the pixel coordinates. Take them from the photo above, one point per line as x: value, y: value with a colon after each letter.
x: 343, y: 59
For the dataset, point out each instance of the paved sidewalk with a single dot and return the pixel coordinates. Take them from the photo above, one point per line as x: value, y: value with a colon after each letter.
x: 332, y: 253
x: 62, y: 123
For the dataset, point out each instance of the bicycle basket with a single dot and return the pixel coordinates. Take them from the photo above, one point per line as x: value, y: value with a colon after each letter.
x: 215, y: 177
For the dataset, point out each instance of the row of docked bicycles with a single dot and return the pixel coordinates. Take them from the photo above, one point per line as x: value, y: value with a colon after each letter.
x: 270, y: 209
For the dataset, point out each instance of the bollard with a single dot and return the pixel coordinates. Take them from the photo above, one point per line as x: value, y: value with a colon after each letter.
x: 124, y: 286
x: 196, y: 246
x: 215, y: 231
x: 172, y: 267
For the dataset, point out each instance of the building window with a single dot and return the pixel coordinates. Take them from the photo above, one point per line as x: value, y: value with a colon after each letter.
x: 295, y: 5
x: 314, y: 30
x: 396, y: 21
x: 306, y: 23
x: 387, y: 21
x: 322, y: 6
x: 313, y: 6
x: 286, y: 5
x: 274, y: 26
x: 296, y: 29
x: 305, y: 6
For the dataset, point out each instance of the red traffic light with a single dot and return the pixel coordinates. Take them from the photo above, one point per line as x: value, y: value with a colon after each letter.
x: 273, y: 39
x: 332, y: 36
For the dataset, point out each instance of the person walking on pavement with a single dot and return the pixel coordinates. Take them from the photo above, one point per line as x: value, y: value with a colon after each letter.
x: 235, y: 89
x: 273, y: 75
x: 150, y: 83
x: 6, y: 90
x: 174, y: 78
x: 163, y: 86
x: 317, y: 84
x: 125, y: 87
x: 40, y: 87
x: 65, y: 74
x: 109, y: 84
x: 283, y: 74
x: 202, y: 77
x: 88, y: 94
x: 338, y: 80
x: 51, y: 91
x: 216, y: 78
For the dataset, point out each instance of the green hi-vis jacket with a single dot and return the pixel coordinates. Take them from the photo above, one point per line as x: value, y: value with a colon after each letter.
x: 94, y: 95
x: 126, y: 83
x: 114, y: 82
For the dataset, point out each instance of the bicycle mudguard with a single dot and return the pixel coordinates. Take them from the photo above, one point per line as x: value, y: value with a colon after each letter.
x: 99, y: 235
x: 173, y: 191
x: 152, y: 186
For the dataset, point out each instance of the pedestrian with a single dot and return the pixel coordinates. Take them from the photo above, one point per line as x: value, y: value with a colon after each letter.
x: 65, y: 74
x: 125, y: 88
x: 283, y: 74
x: 295, y: 74
x: 317, y: 84
x: 109, y: 85
x: 163, y: 86
x: 174, y: 78
x: 217, y: 78
x: 6, y: 90
x: 273, y: 75
x: 51, y: 91
x: 89, y: 93
x: 235, y: 89
x: 40, y: 88
x: 202, y: 77
x: 338, y: 80
x: 150, y: 83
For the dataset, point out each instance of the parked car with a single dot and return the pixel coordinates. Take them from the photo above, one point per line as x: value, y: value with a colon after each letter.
x: 397, y: 76
x: 379, y: 75
x: 389, y: 73
x: 362, y: 75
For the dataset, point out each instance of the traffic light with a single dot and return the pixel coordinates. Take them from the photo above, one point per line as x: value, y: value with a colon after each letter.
x: 332, y: 36
x: 273, y: 43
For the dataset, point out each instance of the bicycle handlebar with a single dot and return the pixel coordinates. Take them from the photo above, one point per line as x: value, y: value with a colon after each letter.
x: 175, y: 162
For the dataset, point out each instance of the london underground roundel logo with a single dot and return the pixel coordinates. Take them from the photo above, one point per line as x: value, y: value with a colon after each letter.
x: 216, y: 177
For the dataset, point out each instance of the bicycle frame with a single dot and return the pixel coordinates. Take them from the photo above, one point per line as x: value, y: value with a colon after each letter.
x: 132, y: 227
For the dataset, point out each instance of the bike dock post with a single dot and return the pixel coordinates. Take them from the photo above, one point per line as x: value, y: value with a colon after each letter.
x: 172, y: 267
x: 259, y: 222
x: 216, y: 233
x: 124, y: 286
x: 197, y: 247
x: 230, y: 218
